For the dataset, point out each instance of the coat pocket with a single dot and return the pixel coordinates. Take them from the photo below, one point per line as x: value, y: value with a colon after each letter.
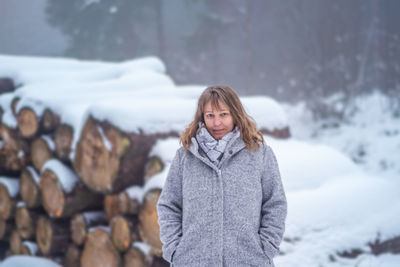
x: 188, y: 250
x: 249, y: 248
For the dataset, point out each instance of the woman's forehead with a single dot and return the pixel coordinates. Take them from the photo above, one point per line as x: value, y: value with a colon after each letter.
x: 217, y: 105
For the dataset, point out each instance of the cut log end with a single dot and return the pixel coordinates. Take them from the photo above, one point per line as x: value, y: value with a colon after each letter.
x: 148, y: 220
x: 99, y: 251
x: 29, y: 190
x: 44, y: 233
x: 52, y: 194
x: 7, y: 204
x: 121, y: 233
x: 25, y: 222
x: 15, y: 243
x: 40, y: 153
x: 28, y: 122
x: 135, y: 258
x: 72, y: 256
x: 78, y: 229
x: 52, y: 236
x: 63, y: 140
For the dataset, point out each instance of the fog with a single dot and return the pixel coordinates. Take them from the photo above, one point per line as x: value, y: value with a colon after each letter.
x: 291, y: 50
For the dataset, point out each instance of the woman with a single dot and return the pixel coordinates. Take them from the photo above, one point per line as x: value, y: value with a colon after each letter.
x: 223, y: 202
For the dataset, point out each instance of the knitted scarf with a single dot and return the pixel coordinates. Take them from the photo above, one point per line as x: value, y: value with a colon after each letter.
x: 213, y: 148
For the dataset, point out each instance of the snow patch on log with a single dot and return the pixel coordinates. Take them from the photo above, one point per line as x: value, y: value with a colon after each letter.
x: 135, y: 192
x: 106, y: 142
x: 157, y: 181
x: 32, y: 246
x: 91, y: 216
x: 21, y: 154
x: 65, y: 175
x: 11, y: 184
x: 145, y: 248
x: 50, y: 142
x: 8, y: 117
x: 36, y: 105
x: 165, y: 148
x: 34, y: 174
x: 21, y: 204
x: 101, y: 227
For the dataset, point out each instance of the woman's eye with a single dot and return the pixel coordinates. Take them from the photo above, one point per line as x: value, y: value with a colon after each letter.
x: 210, y: 115
x: 224, y: 114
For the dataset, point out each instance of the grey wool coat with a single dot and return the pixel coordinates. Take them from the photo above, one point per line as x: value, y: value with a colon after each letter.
x: 232, y: 214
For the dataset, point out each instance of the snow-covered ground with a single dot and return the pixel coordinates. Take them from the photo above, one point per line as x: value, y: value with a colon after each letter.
x: 342, y: 183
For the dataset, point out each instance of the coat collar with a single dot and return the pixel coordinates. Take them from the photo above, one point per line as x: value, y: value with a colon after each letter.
x: 234, y: 145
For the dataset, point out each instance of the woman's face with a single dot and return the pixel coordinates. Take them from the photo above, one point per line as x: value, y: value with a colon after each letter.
x: 218, y: 122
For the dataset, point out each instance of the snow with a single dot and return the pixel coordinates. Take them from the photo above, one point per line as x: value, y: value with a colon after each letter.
x: 106, y: 142
x: 65, y: 175
x: 21, y: 204
x: 91, y: 216
x: 100, y: 227
x: 34, y: 174
x: 12, y: 185
x: 32, y: 246
x: 50, y: 142
x: 135, y: 192
x: 136, y: 96
x: 23, y: 261
x: 341, y: 182
x: 145, y: 248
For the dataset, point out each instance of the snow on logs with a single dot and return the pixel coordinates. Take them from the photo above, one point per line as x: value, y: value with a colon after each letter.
x: 109, y: 160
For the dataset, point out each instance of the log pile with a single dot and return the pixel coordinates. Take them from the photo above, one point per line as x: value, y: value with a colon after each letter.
x: 84, y: 210
x: 78, y: 200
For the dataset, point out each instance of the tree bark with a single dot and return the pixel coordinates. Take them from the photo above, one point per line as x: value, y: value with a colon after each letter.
x: 108, y: 160
x: 99, y: 251
x: 25, y: 221
x: 59, y: 203
x: 14, y: 104
x: 122, y: 232
x: 8, y: 200
x: 63, y: 139
x: 82, y: 222
x: 72, y: 256
x: 278, y: 133
x: 29, y: 188
x: 52, y: 236
x: 148, y: 221
x: 5, y: 229
x: 50, y: 121
x: 14, y: 154
x: 40, y: 153
x: 134, y: 257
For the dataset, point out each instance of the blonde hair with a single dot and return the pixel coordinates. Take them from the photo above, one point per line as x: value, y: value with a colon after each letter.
x: 246, y: 125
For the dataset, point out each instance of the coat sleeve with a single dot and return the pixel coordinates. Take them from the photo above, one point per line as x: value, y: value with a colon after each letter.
x: 274, y: 206
x: 169, y: 209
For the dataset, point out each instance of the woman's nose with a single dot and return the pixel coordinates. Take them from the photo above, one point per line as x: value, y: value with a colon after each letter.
x: 217, y: 121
